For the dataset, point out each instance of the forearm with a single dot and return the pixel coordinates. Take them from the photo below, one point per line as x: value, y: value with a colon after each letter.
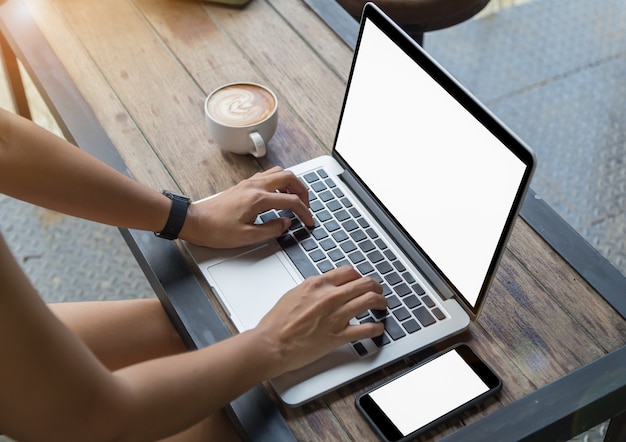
x: 173, y: 393
x: 40, y: 168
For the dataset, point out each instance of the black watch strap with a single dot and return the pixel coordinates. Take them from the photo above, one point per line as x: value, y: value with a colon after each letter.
x: 178, y: 213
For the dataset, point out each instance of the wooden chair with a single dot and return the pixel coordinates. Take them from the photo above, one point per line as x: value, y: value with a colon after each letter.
x: 420, y: 16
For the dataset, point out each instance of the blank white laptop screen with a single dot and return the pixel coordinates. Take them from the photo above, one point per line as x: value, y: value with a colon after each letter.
x: 461, y: 180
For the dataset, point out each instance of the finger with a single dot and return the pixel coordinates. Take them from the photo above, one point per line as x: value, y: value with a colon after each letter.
x: 362, y: 331
x: 283, y: 201
x: 269, y: 229
x: 367, y: 301
x: 285, y: 181
x: 341, y: 275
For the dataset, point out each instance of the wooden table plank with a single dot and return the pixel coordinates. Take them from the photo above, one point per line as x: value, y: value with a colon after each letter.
x: 222, y: 62
x: 160, y: 96
x: 300, y: 77
x: 102, y: 100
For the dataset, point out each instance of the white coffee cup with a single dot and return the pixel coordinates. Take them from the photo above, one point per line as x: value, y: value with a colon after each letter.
x: 242, y: 117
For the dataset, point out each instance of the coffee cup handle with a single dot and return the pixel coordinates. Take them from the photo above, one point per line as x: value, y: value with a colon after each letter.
x: 259, y: 144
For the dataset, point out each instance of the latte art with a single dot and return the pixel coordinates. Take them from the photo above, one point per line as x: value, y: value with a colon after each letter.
x: 241, y: 105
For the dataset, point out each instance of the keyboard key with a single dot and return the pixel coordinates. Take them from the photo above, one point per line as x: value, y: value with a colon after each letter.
x: 380, y: 244
x: 411, y: 326
x: 334, y: 205
x: 343, y: 262
x: 408, y: 277
x: 375, y: 256
x: 327, y: 195
x: 319, y: 233
x: 323, y: 216
x: 402, y: 289
x: 325, y: 266
x: 328, y: 244
x: 330, y: 183
x: 298, y: 256
x: 424, y: 316
x: 318, y: 186
x: 354, y: 212
x: 393, y: 302
x: 399, y: 266
x: 358, y: 235
x: 317, y: 255
x: 345, y: 201
x: 347, y: 246
x: 371, y: 233
x: 390, y: 255
x: 438, y: 314
x: 364, y: 268
x: 380, y: 314
x: 322, y: 173
x: 350, y: 225
x: 392, y: 327
x: 268, y: 216
x: 363, y: 222
x: 392, y: 278
x: 429, y: 302
x: 316, y: 206
x: 310, y: 177
x: 301, y: 234
x: 412, y: 301
x: 336, y: 255
x: 401, y: 314
x: 381, y: 340
x: 308, y: 245
x: 418, y: 289
x: 342, y: 215
x: 331, y: 226
x: 340, y: 235
x: 386, y: 290
x: 384, y: 267
x: 367, y: 246
x: 338, y: 193
x: 360, y: 348
x: 356, y: 257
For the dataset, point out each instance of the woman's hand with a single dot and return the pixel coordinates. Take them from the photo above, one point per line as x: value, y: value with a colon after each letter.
x: 228, y: 219
x: 313, y: 318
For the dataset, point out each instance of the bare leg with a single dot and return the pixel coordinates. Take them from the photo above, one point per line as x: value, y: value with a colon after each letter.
x: 122, y: 333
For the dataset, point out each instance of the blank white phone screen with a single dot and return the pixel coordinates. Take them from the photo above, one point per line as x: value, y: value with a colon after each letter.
x: 428, y: 392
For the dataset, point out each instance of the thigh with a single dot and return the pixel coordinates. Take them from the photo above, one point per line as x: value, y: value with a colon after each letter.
x: 121, y: 333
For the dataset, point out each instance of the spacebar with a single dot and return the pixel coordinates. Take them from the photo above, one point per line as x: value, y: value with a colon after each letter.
x: 298, y: 257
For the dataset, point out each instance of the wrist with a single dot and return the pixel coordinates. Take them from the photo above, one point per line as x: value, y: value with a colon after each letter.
x: 177, y: 216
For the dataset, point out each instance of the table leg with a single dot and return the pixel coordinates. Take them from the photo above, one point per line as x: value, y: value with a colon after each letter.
x: 16, y: 86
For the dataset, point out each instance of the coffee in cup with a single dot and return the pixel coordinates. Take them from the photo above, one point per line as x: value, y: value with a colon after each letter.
x: 242, y: 117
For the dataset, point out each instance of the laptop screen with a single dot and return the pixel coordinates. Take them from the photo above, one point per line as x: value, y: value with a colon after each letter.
x: 446, y: 179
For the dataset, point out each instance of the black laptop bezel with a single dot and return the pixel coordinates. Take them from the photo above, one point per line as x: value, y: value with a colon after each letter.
x: 436, y: 277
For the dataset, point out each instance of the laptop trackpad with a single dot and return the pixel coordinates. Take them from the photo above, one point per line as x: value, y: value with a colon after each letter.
x: 250, y: 284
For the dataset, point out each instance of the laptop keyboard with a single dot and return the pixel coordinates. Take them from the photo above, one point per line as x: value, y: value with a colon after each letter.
x: 342, y: 236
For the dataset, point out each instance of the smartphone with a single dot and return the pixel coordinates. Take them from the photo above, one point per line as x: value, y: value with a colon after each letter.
x: 428, y: 394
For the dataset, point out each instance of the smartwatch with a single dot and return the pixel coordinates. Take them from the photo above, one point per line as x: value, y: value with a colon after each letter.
x: 178, y: 213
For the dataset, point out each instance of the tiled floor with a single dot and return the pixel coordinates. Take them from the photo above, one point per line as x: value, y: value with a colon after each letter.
x: 66, y: 258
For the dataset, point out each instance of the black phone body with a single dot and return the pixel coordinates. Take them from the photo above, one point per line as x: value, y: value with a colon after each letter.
x: 428, y: 394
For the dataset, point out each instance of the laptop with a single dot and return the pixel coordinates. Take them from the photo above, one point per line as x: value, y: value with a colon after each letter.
x: 420, y: 193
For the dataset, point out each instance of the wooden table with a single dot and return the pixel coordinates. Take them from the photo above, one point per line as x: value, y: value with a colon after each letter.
x: 126, y: 80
